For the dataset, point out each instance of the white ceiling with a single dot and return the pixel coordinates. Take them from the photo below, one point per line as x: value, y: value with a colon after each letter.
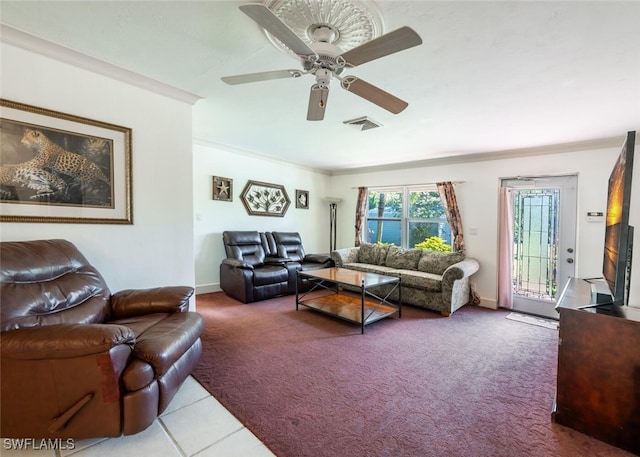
x: 489, y: 76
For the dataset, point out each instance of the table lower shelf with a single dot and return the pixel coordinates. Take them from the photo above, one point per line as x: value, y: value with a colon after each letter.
x: 349, y: 308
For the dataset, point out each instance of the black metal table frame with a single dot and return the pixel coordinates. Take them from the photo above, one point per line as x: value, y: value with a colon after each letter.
x: 329, y: 284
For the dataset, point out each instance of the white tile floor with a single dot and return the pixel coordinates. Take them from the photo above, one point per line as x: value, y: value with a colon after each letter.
x: 194, y: 424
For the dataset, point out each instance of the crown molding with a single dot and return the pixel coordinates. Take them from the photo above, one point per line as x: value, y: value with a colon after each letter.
x: 255, y: 155
x: 29, y: 42
x: 588, y: 145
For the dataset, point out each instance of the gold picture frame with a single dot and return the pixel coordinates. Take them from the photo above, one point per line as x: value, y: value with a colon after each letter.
x: 61, y: 168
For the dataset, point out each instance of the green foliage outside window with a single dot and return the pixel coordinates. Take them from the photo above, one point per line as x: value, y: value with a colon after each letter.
x: 435, y: 243
x: 425, y: 205
x: 406, y: 215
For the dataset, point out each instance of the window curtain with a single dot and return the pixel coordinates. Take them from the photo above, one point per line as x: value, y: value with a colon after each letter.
x: 505, y: 249
x: 361, y: 214
x: 448, y: 197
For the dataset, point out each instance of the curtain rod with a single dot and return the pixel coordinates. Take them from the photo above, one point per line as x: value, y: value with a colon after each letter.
x: 413, y: 185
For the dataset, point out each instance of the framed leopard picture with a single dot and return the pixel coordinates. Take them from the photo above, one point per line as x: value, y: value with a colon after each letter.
x: 56, y: 167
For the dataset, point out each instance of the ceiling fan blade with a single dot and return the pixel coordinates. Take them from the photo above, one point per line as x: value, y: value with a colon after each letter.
x: 398, y: 40
x: 272, y: 24
x: 374, y: 94
x: 317, y: 102
x: 263, y: 76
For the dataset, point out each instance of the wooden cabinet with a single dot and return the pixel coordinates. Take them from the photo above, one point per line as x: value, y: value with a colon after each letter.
x: 598, y: 386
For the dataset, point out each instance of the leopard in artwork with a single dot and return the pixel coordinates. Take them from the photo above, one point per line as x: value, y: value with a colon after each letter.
x: 51, y: 156
x: 27, y: 174
x: 55, y: 174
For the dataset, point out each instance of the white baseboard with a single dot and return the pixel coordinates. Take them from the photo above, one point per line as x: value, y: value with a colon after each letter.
x: 488, y: 303
x: 207, y: 288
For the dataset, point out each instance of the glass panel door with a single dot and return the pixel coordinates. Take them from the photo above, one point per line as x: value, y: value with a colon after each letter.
x: 544, y: 226
x: 535, y: 243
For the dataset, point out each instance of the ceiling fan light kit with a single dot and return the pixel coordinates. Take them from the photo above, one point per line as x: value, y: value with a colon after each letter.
x: 328, y: 36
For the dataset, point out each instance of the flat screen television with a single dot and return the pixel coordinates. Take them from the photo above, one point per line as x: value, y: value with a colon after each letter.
x: 618, y: 242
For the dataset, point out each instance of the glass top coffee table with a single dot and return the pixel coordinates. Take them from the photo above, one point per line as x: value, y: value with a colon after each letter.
x: 362, y: 307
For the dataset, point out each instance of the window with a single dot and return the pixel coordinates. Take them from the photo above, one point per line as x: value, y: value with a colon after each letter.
x: 407, y: 216
x: 535, y: 242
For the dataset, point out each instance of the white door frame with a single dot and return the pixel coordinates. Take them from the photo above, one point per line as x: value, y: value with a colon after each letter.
x: 566, y: 257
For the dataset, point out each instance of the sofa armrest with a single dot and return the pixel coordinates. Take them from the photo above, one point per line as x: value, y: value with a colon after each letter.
x: 138, y: 302
x: 346, y: 255
x: 460, y: 270
x: 456, y: 287
x: 63, y: 341
x: 317, y: 258
x: 235, y: 263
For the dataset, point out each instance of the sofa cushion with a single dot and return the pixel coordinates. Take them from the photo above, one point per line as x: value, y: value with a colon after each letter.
x: 369, y: 268
x: 436, y: 262
x: 140, y: 324
x: 421, y: 280
x: 47, y: 282
x: 270, y: 274
x: 137, y: 375
x: 403, y: 259
x: 164, y: 343
x: 373, y: 254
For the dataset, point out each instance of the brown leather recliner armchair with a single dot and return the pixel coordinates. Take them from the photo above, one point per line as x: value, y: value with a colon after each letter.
x: 289, y: 246
x: 78, y: 361
x: 247, y: 274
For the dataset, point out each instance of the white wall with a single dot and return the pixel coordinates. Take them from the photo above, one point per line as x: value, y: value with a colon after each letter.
x: 478, y: 201
x: 172, y: 187
x: 158, y: 248
x: 212, y: 217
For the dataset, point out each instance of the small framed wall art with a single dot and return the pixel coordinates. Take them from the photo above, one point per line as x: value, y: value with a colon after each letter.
x: 302, y: 199
x: 222, y: 188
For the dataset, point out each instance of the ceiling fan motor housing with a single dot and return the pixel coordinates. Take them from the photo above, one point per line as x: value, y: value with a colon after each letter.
x: 323, y: 77
x: 327, y: 57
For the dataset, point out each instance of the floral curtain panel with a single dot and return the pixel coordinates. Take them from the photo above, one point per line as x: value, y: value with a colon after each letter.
x: 361, y: 214
x: 448, y: 197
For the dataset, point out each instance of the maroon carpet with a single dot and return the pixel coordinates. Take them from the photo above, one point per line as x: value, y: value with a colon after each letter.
x: 474, y: 384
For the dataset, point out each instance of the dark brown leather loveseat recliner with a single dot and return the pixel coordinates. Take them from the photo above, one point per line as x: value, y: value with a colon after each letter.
x: 262, y: 265
x: 78, y: 361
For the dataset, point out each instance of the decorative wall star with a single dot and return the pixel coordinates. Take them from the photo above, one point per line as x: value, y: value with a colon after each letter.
x: 222, y: 188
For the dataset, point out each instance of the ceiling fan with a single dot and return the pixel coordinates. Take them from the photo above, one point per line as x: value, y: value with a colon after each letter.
x: 325, y: 60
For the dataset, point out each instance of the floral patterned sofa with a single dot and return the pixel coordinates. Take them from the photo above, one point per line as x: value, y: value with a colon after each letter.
x: 438, y: 281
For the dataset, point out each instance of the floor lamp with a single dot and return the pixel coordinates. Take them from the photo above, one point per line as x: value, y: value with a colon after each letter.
x: 333, y: 218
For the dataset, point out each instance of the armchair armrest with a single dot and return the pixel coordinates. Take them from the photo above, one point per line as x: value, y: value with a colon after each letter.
x: 277, y: 260
x: 235, y: 263
x: 138, y: 302
x: 317, y: 258
x: 63, y: 341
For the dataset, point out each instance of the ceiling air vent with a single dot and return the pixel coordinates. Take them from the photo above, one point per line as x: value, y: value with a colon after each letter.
x: 363, y: 123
